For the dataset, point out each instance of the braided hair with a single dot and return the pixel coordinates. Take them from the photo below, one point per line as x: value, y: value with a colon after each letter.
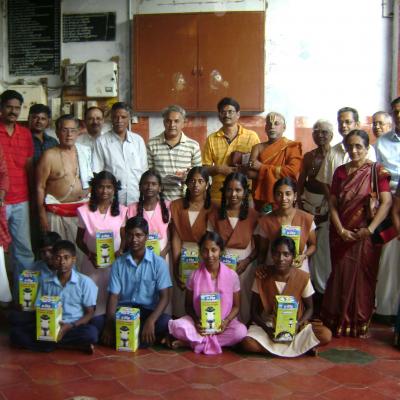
x: 164, y: 210
x: 95, y: 182
x: 204, y: 174
x: 244, y: 206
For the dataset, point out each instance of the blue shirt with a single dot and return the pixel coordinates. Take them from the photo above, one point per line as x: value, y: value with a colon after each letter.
x: 139, y: 284
x: 43, y: 268
x: 388, y: 153
x: 40, y: 147
x: 79, y: 292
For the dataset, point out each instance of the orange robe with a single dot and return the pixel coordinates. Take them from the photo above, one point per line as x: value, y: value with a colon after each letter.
x: 280, y: 159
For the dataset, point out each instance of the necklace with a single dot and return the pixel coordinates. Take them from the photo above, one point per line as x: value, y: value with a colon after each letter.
x: 75, y: 177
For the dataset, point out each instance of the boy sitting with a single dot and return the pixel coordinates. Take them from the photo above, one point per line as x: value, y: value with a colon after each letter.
x: 139, y: 279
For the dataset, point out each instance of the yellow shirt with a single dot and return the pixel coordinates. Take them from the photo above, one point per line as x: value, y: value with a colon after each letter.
x: 217, y: 151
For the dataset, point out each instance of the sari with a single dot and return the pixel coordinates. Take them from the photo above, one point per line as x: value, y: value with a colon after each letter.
x: 350, y: 293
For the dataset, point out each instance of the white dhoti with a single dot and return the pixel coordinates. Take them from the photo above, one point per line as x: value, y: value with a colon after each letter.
x: 388, y: 286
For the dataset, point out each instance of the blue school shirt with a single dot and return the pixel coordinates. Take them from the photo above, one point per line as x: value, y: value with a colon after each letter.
x: 139, y: 284
x: 43, y: 268
x: 79, y: 292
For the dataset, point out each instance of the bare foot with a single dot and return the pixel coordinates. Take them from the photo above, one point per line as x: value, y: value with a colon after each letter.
x: 173, y: 343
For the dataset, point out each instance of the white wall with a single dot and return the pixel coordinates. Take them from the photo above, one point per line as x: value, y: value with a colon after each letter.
x: 320, y: 55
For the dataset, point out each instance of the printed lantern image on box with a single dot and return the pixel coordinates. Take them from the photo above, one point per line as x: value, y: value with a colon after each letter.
x: 127, y: 325
x: 105, y: 255
x: 285, y: 318
x: 210, y: 308
x: 28, y: 287
x: 189, y: 262
x: 48, y: 317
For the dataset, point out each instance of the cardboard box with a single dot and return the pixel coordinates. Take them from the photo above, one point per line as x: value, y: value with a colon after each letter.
x: 292, y: 232
x: 189, y: 262
x: 127, y: 325
x: 28, y: 288
x: 105, y: 255
x: 230, y: 260
x: 48, y: 317
x: 210, y: 308
x: 153, y: 243
x: 285, y: 318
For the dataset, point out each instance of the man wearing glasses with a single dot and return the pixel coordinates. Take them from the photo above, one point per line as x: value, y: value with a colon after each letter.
x: 381, y: 123
x: 228, y: 148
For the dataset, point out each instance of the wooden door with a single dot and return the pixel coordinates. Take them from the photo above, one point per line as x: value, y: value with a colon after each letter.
x: 231, y: 59
x: 165, y: 61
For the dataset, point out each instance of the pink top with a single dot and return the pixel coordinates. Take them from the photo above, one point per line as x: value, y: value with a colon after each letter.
x: 95, y: 221
x: 154, y: 219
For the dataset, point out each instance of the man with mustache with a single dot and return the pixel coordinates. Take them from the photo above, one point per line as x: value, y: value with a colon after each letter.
x: 94, y: 120
x: 17, y: 146
x: 276, y: 158
x: 172, y: 153
x: 222, y: 146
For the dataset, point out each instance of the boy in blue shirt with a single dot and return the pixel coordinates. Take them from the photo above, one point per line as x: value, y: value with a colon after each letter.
x: 78, y: 293
x: 140, y: 279
x: 45, y: 263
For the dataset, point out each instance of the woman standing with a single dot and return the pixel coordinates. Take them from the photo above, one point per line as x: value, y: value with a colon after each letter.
x: 270, y: 225
x: 189, y: 223
x: 102, y: 213
x: 235, y: 222
x: 350, y: 294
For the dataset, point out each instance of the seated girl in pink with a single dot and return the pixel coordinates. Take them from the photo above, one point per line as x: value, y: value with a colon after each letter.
x: 154, y: 209
x: 102, y: 213
x: 212, y: 277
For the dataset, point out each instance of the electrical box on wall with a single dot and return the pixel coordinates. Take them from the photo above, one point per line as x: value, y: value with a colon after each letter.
x: 32, y: 94
x: 101, y: 79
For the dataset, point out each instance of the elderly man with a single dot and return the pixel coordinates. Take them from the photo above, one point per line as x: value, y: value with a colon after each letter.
x: 123, y: 153
x: 94, y: 120
x: 312, y: 199
x: 388, y: 288
x: 274, y: 159
x: 381, y: 123
x: 62, y: 175
x: 17, y: 146
x: 348, y: 119
x: 172, y: 153
x: 222, y: 146
x: 39, y: 120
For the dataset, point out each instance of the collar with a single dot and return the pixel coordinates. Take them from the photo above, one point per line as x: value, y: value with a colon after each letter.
x: 45, y: 136
x: 129, y: 137
x: 183, y: 139
x: 73, y: 279
x: 393, y: 136
x: 222, y: 134
x: 131, y: 261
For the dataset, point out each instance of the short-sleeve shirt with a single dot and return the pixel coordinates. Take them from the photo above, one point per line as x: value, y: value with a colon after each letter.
x: 78, y: 293
x: 139, y: 283
x: 236, y: 283
x: 40, y: 147
x: 17, y: 149
x: 43, y: 268
x: 280, y: 286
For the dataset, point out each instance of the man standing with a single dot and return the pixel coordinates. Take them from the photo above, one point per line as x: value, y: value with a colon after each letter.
x: 172, y: 153
x: 381, y: 123
x: 221, y: 146
x: 269, y: 161
x: 94, y: 120
x: 63, y: 174
x: 312, y: 199
x: 39, y: 119
x: 123, y: 153
x: 348, y: 119
x: 388, y: 288
x: 16, y: 142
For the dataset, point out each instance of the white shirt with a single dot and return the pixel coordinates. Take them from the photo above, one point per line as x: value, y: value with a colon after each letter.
x: 125, y: 160
x: 86, y: 140
x: 336, y: 157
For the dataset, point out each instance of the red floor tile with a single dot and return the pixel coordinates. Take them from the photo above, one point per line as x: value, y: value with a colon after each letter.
x: 386, y: 367
x: 68, y: 357
x: 297, y: 383
x: 133, y: 396
x: 303, y: 365
x: 196, y: 394
x: 255, y: 370
x: 162, y: 363
x: 204, y: 375
x: 12, y: 374
x: 20, y: 356
x: 226, y: 357
x: 255, y: 390
x: 353, y: 375
x: 50, y: 373
x: 388, y: 387
x: 33, y: 391
x: 156, y: 383
x: 108, y: 351
x: 110, y: 367
x: 354, y: 394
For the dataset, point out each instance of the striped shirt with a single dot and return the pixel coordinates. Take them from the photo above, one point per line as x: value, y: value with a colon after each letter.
x: 167, y: 161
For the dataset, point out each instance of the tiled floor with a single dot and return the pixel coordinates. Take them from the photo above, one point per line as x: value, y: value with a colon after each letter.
x: 346, y: 369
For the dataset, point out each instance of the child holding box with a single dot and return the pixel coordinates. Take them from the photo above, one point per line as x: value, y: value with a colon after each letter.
x: 282, y: 278
x: 211, y: 277
x: 78, y: 295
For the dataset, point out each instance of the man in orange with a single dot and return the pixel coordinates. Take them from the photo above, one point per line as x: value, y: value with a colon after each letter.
x: 269, y: 161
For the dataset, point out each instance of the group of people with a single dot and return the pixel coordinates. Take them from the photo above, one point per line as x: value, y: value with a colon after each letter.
x: 226, y: 207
